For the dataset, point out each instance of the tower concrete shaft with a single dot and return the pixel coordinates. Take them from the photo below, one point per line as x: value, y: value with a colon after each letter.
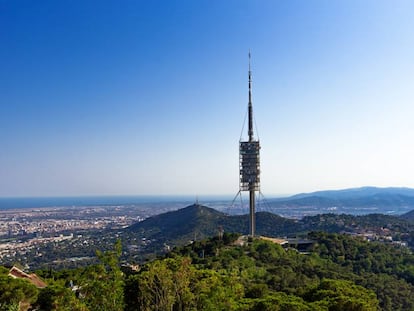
x: 252, y: 213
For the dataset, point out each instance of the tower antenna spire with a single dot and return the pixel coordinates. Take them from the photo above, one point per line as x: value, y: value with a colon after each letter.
x: 250, y: 107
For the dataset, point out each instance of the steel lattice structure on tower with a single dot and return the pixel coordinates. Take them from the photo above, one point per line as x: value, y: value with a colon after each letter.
x: 249, y: 157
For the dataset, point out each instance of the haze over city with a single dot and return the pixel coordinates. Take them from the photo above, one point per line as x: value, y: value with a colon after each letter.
x: 149, y: 97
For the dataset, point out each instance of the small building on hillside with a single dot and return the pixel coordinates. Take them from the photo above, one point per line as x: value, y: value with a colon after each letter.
x: 302, y: 245
x: 16, y: 273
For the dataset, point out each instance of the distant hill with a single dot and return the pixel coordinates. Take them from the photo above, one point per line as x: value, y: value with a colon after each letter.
x: 198, y: 222
x: 366, y: 199
x: 357, y: 193
x: 408, y: 216
x: 194, y: 221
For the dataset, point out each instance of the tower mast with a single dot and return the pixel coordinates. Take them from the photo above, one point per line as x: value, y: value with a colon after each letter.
x: 252, y: 203
x: 250, y: 163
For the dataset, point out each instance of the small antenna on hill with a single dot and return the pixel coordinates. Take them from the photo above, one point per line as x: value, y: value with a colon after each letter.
x: 220, y: 232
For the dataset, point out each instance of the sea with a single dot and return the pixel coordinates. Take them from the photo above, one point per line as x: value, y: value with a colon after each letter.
x: 38, y: 202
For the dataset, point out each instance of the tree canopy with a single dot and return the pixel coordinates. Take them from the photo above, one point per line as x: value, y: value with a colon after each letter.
x: 340, y: 273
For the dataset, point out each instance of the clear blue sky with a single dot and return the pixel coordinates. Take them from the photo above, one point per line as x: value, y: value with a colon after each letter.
x: 149, y: 97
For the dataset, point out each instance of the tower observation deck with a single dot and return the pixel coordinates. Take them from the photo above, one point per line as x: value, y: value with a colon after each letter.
x: 249, y: 157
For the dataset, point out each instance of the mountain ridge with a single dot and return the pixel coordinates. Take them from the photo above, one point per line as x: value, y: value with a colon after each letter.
x: 355, y: 192
x: 397, y: 200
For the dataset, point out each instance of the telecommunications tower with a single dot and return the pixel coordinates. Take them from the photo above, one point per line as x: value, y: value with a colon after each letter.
x: 249, y: 157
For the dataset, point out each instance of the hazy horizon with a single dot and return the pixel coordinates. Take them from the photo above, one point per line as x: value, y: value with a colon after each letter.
x: 169, y: 197
x: 149, y: 97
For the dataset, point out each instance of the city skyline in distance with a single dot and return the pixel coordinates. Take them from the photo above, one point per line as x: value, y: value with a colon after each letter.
x: 142, y: 98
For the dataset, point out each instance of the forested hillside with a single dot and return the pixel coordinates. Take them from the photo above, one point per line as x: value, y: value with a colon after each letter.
x: 199, y: 222
x: 233, y: 273
x: 156, y: 235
